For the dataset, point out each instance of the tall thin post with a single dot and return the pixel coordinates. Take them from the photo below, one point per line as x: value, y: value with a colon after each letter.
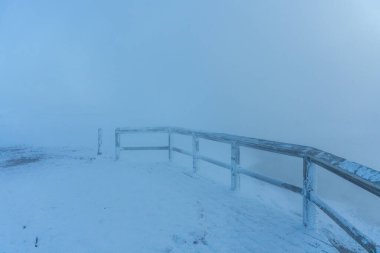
x: 170, y: 147
x: 309, y: 183
x: 195, y: 153
x: 117, y: 145
x: 100, y: 141
x: 235, y: 161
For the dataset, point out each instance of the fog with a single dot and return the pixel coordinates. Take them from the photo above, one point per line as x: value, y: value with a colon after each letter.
x: 300, y: 72
x: 304, y: 72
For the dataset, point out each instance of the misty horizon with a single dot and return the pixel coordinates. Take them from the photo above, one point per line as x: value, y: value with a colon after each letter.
x: 297, y: 72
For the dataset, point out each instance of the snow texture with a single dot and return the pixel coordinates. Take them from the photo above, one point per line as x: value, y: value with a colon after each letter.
x: 64, y: 200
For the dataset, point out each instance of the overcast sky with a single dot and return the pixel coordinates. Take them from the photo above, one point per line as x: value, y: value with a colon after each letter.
x: 305, y: 72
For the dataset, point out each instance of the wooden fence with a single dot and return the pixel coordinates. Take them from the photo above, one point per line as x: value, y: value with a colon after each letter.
x: 360, y: 175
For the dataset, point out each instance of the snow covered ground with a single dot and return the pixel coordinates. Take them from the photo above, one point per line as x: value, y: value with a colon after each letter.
x: 65, y: 200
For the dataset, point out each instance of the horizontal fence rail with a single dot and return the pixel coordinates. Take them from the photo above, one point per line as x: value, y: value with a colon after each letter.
x: 360, y: 175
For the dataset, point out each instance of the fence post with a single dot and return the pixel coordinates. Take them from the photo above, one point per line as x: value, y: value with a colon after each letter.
x: 117, y: 145
x: 309, y: 182
x: 100, y: 141
x: 195, y: 153
x: 235, y: 161
x: 170, y: 147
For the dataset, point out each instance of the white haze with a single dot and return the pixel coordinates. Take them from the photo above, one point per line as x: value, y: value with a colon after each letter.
x: 304, y: 72
x: 299, y: 72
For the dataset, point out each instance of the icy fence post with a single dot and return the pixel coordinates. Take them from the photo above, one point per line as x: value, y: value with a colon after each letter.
x: 100, y: 141
x: 117, y: 145
x: 170, y: 146
x: 235, y: 161
x: 195, y: 153
x: 309, y: 212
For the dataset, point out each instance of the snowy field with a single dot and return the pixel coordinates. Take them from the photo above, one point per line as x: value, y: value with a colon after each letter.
x: 63, y: 200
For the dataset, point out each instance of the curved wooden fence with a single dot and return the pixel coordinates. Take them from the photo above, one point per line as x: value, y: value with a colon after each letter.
x: 360, y: 175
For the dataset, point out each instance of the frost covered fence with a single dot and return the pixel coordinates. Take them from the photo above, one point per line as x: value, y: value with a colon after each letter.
x: 100, y: 141
x: 358, y: 174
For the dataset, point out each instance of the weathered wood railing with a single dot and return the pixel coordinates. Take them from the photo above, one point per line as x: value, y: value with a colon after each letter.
x: 360, y: 175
